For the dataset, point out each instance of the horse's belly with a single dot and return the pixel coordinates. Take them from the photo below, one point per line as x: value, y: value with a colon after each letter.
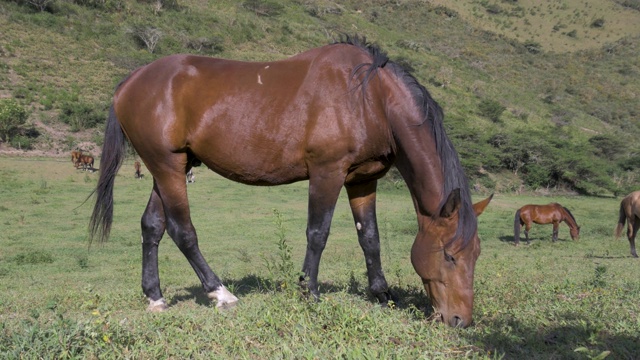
x: 258, y: 173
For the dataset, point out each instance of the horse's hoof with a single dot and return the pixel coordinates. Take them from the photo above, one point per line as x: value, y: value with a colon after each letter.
x: 157, y: 306
x: 225, y: 299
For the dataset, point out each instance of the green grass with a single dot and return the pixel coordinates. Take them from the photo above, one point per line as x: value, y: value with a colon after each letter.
x: 61, y: 299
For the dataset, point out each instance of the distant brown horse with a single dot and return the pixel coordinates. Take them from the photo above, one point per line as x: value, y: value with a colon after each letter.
x: 136, y: 166
x: 630, y: 212
x: 86, y: 162
x: 338, y: 115
x: 553, y: 213
x: 75, y: 155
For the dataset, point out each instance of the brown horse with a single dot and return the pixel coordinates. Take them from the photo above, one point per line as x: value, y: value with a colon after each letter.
x: 630, y: 211
x: 338, y: 115
x: 136, y: 166
x: 553, y: 213
x: 75, y: 155
x: 86, y: 162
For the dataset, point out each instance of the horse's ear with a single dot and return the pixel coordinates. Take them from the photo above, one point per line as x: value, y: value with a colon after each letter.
x: 452, y: 204
x: 479, y: 207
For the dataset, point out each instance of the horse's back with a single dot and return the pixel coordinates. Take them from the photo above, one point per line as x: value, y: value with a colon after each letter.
x: 254, y: 122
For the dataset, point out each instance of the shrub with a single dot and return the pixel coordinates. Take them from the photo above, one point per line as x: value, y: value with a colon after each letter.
x: 146, y: 36
x: 491, y: 109
x: 597, y: 23
x: 81, y: 116
x: 263, y: 8
x: 532, y: 46
x: 12, y: 117
x: 22, y: 142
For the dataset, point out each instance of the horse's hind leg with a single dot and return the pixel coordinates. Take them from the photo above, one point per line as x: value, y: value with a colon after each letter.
x: 153, y: 226
x: 173, y: 192
x: 632, y: 234
x: 362, y: 199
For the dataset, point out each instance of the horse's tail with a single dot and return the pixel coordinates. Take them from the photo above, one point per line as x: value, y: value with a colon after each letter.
x: 622, y: 218
x: 516, y: 227
x: 113, y: 153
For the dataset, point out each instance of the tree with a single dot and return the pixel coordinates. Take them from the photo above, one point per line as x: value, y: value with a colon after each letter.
x: 12, y: 116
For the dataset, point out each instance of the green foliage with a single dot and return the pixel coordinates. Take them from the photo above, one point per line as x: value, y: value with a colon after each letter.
x: 22, y: 142
x: 282, y: 270
x: 33, y: 257
x: 12, y: 117
x: 533, y: 47
x: 263, y: 8
x: 80, y: 115
x: 491, y: 109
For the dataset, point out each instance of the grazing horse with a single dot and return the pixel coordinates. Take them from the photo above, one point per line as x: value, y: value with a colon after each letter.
x: 630, y: 211
x: 338, y: 115
x: 85, y: 161
x: 75, y: 155
x: 136, y: 166
x: 553, y: 213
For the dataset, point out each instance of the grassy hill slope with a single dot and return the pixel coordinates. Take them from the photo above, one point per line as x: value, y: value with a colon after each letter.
x: 528, y: 106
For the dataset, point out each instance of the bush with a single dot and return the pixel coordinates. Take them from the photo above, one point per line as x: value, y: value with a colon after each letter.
x: 12, y: 117
x: 81, y: 116
x: 263, y: 8
x: 491, y: 109
x: 22, y: 142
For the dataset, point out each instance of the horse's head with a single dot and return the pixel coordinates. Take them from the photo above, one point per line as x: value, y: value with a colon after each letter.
x: 575, y: 233
x: 446, y: 268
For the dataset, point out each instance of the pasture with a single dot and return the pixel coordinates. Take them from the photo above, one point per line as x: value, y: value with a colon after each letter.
x: 60, y: 298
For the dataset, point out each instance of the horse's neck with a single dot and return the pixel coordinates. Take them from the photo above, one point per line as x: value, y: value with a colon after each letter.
x: 420, y: 166
x: 569, y: 219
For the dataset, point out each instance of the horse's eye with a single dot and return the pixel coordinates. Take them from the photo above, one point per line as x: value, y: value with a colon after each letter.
x: 449, y: 258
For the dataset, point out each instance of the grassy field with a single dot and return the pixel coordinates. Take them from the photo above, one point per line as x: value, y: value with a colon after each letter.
x: 61, y: 299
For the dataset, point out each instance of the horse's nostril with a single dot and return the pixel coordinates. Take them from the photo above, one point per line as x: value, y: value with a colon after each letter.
x: 456, y: 321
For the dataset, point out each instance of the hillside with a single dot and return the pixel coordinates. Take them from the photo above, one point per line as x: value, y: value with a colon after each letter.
x: 537, y: 95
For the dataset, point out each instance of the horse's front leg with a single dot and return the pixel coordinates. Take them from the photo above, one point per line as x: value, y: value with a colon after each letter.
x: 323, y: 194
x: 554, y: 236
x: 362, y: 199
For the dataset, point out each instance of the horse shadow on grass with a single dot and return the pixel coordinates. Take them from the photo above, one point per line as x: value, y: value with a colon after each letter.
x: 402, y: 297
x: 515, y: 340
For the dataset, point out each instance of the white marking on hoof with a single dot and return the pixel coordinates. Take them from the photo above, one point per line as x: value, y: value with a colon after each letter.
x: 157, y: 305
x: 225, y: 299
x: 266, y: 67
x: 358, y: 226
x: 259, y: 80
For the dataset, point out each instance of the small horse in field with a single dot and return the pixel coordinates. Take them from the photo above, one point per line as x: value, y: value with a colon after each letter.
x: 136, y: 166
x: 630, y: 212
x: 338, y: 116
x: 86, y: 162
x: 553, y: 213
x: 75, y: 155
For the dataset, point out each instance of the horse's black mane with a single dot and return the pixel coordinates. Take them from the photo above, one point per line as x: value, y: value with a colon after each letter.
x: 454, y: 177
x: 570, y: 214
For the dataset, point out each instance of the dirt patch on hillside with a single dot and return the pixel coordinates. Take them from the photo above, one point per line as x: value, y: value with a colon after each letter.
x: 55, y: 140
